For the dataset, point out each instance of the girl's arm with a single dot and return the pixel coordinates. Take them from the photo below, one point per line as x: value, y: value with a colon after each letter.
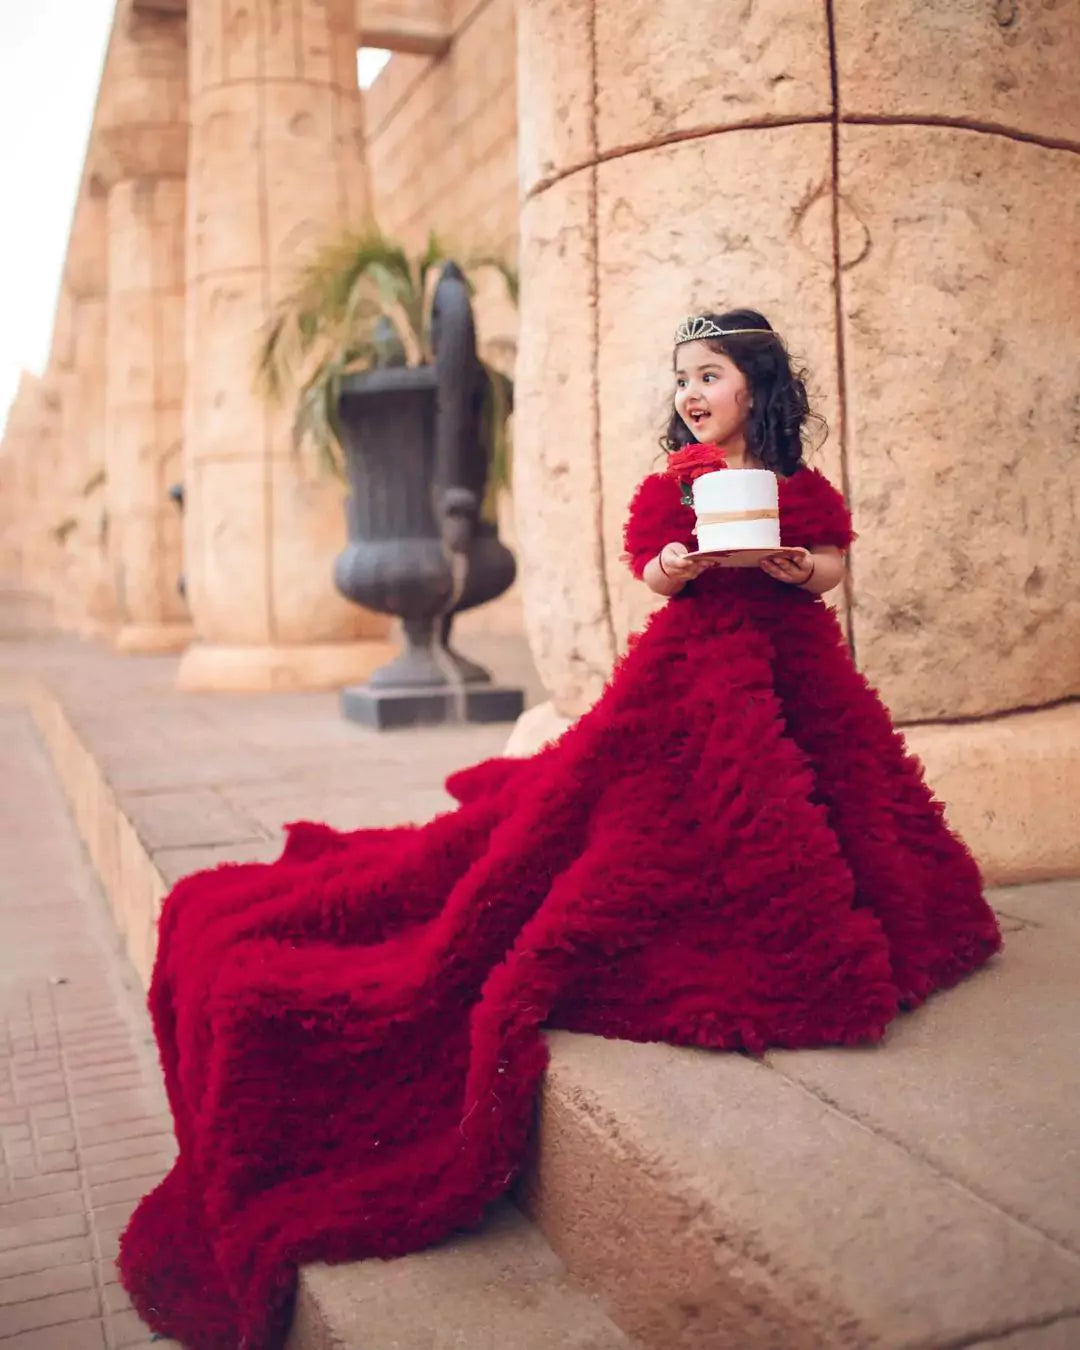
x: 815, y: 570
x: 670, y: 570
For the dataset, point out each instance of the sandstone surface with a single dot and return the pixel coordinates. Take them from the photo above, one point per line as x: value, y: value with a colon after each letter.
x: 556, y: 121
x: 658, y: 75
x: 557, y: 456
x: 963, y: 439
x: 1010, y: 63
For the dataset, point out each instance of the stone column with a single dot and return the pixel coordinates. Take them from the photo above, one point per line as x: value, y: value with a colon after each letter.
x: 38, y: 412
x: 144, y: 416
x: 85, y: 600
x: 277, y: 164
x: 896, y: 189
x: 25, y: 519
x: 139, y: 152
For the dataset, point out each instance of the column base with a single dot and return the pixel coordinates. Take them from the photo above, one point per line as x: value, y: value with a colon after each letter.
x: 535, y: 729
x: 1010, y: 786
x: 147, y: 638
x: 207, y: 667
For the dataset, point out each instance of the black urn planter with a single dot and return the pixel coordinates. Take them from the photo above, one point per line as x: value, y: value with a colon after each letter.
x: 417, y: 546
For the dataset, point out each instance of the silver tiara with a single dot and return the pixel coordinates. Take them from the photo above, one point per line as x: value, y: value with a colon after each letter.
x: 694, y: 329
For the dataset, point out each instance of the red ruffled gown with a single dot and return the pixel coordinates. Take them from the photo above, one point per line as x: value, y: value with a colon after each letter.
x: 731, y: 849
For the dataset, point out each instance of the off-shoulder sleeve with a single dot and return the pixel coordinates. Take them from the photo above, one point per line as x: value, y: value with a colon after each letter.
x: 812, y: 513
x: 657, y: 517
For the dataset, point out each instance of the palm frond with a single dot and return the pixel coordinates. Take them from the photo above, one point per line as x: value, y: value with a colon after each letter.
x: 325, y: 326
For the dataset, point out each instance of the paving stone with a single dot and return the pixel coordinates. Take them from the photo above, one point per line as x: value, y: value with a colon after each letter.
x: 81, y: 1099
x: 43, y: 1284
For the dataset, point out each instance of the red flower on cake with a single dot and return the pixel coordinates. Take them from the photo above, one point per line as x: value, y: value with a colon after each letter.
x: 693, y: 460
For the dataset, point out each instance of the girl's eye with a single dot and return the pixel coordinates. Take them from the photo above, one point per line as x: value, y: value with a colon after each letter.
x: 680, y: 384
x: 709, y: 376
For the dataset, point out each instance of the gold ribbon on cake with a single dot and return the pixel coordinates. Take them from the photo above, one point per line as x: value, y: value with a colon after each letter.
x: 727, y: 517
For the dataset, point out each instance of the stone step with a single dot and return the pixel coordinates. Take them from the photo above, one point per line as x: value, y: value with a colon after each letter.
x: 500, y: 1288
x: 923, y: 1193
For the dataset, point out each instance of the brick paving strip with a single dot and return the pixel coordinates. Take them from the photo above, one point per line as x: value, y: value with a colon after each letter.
x: 190, y: 781
x: 84, y: 1126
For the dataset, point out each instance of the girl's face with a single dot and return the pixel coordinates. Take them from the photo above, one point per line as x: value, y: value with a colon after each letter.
x: 711, y: 393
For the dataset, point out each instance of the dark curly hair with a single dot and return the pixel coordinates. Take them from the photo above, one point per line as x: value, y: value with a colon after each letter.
x: 780, y: 408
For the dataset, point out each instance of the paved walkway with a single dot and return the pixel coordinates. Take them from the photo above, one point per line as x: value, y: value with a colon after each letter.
x: 83, y: 1123
x: 84, y: 1126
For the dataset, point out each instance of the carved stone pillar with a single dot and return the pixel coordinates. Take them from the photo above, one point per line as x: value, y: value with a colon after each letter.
x: 145, y: 409
x: 85, y: 597
x: 277, y: 163
x: 139, y: 149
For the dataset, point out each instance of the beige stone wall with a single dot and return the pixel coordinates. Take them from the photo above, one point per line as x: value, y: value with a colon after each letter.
x: 921, y: 270
x: 442, y: 136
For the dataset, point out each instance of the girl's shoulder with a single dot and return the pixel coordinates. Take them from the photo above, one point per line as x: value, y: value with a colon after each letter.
x: 813, y: 509
x: 806, y: 480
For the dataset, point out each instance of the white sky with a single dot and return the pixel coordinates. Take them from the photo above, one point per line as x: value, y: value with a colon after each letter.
x: 51, y: 55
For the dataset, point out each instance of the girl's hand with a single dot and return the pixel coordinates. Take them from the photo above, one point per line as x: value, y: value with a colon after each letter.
x: 795, y: 571
x: 675, y: 564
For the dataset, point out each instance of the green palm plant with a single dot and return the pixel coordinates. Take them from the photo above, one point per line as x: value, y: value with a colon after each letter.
x: 360, y: 302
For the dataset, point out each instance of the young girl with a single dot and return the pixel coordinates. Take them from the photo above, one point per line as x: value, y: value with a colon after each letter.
x: 731, y: 849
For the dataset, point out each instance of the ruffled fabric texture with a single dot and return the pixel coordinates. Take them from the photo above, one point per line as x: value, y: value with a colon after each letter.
x: 732, y: 849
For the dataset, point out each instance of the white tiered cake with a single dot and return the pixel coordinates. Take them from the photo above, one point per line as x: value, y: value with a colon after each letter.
x: 737, y: 509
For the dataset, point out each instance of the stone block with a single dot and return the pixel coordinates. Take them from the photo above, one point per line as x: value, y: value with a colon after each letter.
x: 976, y: 1082
x: 667, y: 249
x: 185, y: 818
x: 715, y: 1201
x: 556, y: 121
x: 1010, y: 63
x: 174, y: 863
x: 963, y: 437
x: 557, y: 456
x: 658, y: 75
x: 1010, y: 785
x: 497, y: 1288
